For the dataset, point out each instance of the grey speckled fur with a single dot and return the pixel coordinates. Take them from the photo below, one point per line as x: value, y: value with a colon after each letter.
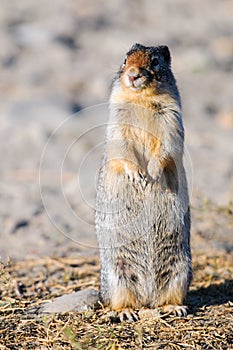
x: 144, y: 232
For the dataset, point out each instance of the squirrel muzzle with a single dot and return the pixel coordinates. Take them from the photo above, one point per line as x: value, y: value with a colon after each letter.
x: 134, y: 79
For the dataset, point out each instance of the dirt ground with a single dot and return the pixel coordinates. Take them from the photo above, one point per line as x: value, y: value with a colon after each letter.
x: 30, y: 283
x: 57, y: 62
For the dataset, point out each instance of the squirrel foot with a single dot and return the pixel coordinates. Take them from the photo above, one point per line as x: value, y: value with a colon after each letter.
x: 177, y: 310
x: 125, y: 315
x: 136, y: 175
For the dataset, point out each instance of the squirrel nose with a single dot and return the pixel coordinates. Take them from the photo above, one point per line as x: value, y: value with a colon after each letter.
x: 133, y: 75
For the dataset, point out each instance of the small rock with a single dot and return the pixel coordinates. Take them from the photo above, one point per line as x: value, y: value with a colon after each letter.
x: 79, y: 301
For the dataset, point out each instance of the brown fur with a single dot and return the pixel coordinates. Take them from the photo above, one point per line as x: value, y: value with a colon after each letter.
x: 137, y: 59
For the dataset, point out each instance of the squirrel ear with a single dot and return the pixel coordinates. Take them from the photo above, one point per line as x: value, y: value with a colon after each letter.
x: 135, y: 46
x: 166, y: 53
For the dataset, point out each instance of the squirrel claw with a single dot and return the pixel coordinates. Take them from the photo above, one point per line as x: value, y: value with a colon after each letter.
x: 142, y: 180
x: 128, y: 315
x: 125, y: 315
x: 137, y: 176
x: 177, y: 310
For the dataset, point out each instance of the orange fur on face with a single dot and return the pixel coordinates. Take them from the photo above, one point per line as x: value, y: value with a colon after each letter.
x: 145, y: 96
x: 137, y: 59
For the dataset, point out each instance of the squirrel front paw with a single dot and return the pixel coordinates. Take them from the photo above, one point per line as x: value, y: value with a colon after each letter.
x: 155, y: 170
x: 136, y: 175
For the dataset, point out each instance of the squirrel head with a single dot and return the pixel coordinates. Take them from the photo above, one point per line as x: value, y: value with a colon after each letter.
x: 145, y: 67
x: 145, y: 74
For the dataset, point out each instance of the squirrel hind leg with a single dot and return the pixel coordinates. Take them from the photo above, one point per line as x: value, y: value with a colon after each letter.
x: 122, y: 304
x: 173, y: 299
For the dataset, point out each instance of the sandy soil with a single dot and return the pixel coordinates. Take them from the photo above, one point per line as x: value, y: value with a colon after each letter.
x: 57, y: 59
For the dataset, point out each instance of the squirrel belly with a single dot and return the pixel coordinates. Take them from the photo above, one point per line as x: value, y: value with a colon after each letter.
x: 142, y: 206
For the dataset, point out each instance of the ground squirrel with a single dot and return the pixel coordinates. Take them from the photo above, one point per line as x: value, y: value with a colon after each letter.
x: 142, y: 212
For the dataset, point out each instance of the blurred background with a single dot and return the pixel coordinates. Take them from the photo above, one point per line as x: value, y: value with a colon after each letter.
x: 57, y: 60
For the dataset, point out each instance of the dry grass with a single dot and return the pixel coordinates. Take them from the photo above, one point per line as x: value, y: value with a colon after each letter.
x: 25, y: 285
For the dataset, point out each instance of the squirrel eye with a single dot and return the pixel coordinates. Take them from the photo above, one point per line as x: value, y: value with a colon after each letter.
x: 155, y: 62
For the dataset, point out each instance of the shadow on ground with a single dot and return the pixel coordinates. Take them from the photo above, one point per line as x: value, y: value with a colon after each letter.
x: 214, y: 294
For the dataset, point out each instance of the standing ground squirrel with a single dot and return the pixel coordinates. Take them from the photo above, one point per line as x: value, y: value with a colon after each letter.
x: 142, y: 211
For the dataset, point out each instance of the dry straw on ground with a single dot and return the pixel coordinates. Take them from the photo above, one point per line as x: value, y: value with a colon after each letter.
x: 27, y: 284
